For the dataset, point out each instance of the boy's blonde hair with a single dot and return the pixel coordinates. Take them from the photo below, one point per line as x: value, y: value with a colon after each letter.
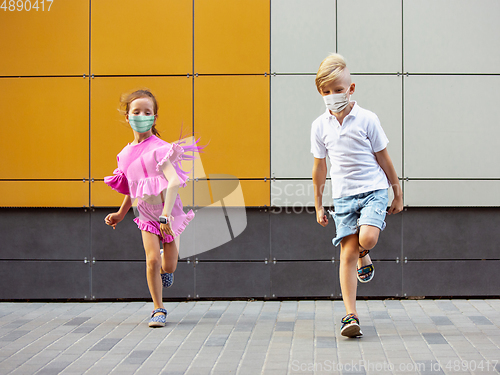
x: 329, y: 70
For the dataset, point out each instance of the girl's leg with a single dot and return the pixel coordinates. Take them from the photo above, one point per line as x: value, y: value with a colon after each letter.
x: 153, y: 264
x: 349, y: 255
x: 170, y: 255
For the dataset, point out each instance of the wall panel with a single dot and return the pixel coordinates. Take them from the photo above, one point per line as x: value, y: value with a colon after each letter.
x: 153, y: 38
x: 45, y: 42
x: 444, y: 136
x: 231, y: 37
x: 456, y: 36
x: 109, y: 130
x: 47, y: 136
x: 369, y: 35
x: 232, y: 115
x: 302, y: 34
x: 44, y: 193
x: 295, y: 104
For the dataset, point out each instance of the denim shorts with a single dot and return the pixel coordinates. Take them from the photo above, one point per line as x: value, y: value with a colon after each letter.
x: 362, y: 209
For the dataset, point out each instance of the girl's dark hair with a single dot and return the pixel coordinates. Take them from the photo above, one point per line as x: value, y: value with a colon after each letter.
x: 126, y: 99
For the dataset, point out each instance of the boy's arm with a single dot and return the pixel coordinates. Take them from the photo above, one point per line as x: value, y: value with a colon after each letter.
x: 385, y: 162
x: 319, y: 179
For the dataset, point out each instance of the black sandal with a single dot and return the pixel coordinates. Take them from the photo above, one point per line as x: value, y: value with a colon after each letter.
x: 366, y: 270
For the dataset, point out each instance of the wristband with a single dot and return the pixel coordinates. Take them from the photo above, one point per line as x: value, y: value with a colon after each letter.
x: 163, y: 220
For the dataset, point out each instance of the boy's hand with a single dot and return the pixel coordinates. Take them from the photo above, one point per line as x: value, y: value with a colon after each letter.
x: 396, y: 206
x: 321, y: 217
x: 113, y: 219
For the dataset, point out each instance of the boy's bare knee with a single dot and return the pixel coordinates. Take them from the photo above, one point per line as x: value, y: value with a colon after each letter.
x: 368, y: 241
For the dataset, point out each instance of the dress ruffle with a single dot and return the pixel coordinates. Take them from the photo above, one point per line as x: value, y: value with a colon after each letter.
x: 153, y: 227
x: 118, y: 182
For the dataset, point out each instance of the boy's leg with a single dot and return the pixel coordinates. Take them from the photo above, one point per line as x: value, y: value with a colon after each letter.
x: 349, y: 255
x: 368, y: 238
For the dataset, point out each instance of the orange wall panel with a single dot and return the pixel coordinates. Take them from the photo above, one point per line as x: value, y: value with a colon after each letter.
x: 110, y: 132
x: 235, y: 193
x: 45, y: 42
x: 146, y: 37
x: 45, y: 128
x: 232, y: 114
x: 103, y: 196
x: 232, y: 37
x: 44, y: 193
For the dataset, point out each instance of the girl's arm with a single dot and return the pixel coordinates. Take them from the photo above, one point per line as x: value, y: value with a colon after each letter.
x: 115, y: 218
x: 385, y: 162
x: 172, y: 189
x: 319, y: 179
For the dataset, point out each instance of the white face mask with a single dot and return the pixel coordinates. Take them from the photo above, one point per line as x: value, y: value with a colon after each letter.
x: 337, y: 102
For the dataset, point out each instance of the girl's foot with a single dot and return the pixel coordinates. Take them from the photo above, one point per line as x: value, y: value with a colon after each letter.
x: 158, y: 318
x: 167, y: 279
x: 350, y: 326
x: 366, y: 271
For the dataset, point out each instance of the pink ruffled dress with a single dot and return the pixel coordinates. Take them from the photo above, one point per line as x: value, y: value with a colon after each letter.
x: 139, y: 174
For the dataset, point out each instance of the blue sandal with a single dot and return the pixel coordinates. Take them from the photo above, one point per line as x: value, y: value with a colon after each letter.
x: 368, y: 270
x: 167, y: 279
x: 158, y: 320
x: 350, y: 326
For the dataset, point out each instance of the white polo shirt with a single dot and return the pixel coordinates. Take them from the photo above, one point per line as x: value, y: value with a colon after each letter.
x: 351, y: 148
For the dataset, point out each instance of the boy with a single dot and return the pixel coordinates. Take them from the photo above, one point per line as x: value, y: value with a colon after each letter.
x: 361, y: 172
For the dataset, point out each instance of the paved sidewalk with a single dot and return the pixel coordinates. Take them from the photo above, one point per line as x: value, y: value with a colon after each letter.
x: 257, y: 337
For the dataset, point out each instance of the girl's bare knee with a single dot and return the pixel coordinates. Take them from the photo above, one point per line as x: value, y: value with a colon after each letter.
x: 153, y: 263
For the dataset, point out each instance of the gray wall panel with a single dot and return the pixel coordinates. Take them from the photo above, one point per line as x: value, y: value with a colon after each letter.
x: 44, y: 233
x: 233, y: 279
x: 302, y: 34
x: 444, y: 137
x: 451, y: 233
x: 122, y: 243
x: 387, y: 281
x: 369, y: 35
x: 45, y: 279
x: 296, y: 279
x: 298, y: 236
x: 113, y: 279
x: 451, y: 278
x: 251, y: 244
x: 295, y: 104
x: 456, y: 36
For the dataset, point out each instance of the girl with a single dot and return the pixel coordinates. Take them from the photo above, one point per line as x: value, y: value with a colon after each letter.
x: 149, y: 170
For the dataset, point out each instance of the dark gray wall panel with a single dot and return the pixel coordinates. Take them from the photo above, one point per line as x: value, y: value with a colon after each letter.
x: 44, y: 279
x: 387, y: 281
x: 113, y: 279
x: 451, y: 233
x: 251, y: 244
x: 298, y: 279
x: 44, y: 233
x: 390, y: 239
x: 451, y: 278
x: 298, y: 236
x: 233, y: 279
x: 122, y: 243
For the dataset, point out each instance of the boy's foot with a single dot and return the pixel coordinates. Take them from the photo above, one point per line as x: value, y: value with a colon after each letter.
x: 158, y: 318
x: 350, y: 326
x: 366, y: 271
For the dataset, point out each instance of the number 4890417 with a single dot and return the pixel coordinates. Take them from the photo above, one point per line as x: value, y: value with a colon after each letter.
x: 26, y: 5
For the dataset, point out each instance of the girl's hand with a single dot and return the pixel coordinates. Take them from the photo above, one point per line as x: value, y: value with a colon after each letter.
x: 396, y: 206
x: 113, y: 219
x: 321, y: 217
x: 166, y: 229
